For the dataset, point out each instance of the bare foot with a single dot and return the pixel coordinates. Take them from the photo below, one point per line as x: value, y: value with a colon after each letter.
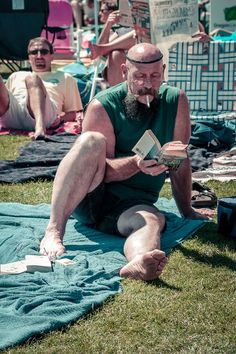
x: 148, y: 266
x: 40, y: 135
x: 51, y: 245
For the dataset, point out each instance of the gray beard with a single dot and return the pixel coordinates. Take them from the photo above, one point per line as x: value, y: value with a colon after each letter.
x: 138, y: 111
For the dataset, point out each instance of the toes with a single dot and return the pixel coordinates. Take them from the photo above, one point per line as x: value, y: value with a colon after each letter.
x: 158, y: 255
x: 146, y: 267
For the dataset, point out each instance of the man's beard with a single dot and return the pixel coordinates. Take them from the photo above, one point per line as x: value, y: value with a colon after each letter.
x: 136, y: 110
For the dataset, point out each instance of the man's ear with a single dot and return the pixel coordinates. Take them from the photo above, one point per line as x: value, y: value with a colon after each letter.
x: 124, y: 70
x: 163, y: 73
x: 164, y: 67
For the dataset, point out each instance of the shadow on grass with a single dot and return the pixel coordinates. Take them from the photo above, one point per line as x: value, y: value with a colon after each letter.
x: 162, y: 284
x: 208, y: 235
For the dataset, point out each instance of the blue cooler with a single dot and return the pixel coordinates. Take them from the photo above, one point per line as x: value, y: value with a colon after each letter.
x: 226, y: 216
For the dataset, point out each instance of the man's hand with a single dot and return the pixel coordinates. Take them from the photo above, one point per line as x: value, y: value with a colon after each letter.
x: 202, y: 37
x: 151, y: 167
x: 113, y: 18
x: 200, y: 214
x: 51, y: 245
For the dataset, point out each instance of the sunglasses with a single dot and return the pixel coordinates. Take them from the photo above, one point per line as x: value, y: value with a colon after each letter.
x: 42, y: 51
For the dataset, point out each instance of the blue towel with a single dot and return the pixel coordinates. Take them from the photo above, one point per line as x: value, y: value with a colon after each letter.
x: 36, y: 303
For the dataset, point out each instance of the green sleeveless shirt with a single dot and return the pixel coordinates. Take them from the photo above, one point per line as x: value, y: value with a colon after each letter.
x: 129, y: 131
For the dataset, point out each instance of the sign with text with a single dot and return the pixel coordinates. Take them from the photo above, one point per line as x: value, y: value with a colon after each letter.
x: 141, y: 19
x: 125, y: 13
x: 223, y: 15
x: 173, y: 19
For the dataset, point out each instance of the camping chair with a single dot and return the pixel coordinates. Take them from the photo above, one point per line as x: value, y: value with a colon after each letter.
x: 59, y: 28
x: 19, y: 22
x: 207, y: 73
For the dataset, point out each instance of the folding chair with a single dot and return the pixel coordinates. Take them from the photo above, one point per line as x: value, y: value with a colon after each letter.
x: 207, y: 73
x: 20, y: 21
x: 59, y: 28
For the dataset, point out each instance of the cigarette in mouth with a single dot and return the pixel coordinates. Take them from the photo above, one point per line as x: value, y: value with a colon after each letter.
x: 147, y: 101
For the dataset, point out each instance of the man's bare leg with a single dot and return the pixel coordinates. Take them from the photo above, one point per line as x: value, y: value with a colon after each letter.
x: 143, y: 225
x: 36, y: 103
x: 114, y: 74
x: 80, y: 172
x: 4, y: 98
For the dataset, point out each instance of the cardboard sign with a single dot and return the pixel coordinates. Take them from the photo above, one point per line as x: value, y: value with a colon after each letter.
x: 125, y: 13
x: 141, y: 20
x: 159, y: 21
x: 173, y: 19
x: 223, y: 15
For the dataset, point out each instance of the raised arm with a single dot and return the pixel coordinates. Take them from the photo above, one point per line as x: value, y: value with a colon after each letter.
x: 113, y: 18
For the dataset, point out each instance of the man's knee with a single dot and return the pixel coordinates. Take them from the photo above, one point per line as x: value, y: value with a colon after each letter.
x: 117, y: 56
x: 135, y: 218
x: 152, y: 218
x: 4, y: 98
x: 34, y: 81
x: 91, y: 143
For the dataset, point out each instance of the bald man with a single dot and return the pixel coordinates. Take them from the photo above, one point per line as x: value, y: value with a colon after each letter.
x: 109, y: 188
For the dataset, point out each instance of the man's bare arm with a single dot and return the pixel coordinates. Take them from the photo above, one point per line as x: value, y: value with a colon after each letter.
x: 113, y: 18
x: 96, y: 119
x: 181, y: 180
x: 183, y: 176
x: 123, y: 42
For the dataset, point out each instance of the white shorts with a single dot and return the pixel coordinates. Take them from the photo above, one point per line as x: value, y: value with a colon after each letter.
x: 18, y: 117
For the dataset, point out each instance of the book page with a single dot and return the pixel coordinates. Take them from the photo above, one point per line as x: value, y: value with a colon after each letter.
x: 38, y: 263
x: 13, y: 268
x: 143, y: 146
x: 176, y: 148
x: 146, y: 144
x: 153, y: 136
x: 65, y: 261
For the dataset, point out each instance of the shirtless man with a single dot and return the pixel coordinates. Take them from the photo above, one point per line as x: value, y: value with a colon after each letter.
x: 112, y: 44
x: 108, y: 187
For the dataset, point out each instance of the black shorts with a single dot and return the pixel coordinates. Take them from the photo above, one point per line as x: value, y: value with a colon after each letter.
x: 101, y: 209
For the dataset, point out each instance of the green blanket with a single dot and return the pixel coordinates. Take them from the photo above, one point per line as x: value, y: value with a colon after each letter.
x: 36, y: 303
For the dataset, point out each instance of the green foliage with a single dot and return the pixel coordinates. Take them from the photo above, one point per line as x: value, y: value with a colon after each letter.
x: 190, y: 309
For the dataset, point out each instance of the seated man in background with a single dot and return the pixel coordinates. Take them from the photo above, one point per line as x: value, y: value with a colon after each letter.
x: 39, y: 99
x: 105, y: 185
x: 112, y: 43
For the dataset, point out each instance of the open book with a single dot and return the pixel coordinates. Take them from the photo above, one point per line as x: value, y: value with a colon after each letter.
x: 33, y: 263
x: 171, y: 154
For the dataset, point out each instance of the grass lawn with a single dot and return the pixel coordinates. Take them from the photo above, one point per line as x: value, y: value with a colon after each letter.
x: 191, y: 309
